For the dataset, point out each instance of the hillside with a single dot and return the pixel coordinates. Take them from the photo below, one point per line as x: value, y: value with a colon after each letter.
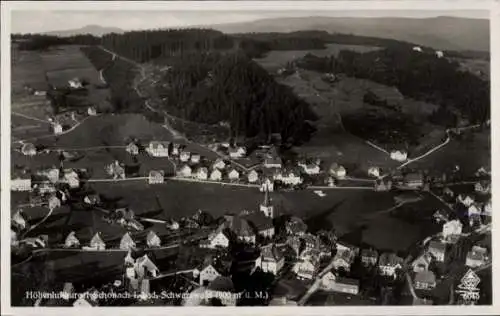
x: 95, y: 30
x: 446, y: 33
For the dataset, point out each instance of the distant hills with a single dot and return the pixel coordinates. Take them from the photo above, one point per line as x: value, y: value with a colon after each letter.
x: 446, y: 33
x: 95, y: 30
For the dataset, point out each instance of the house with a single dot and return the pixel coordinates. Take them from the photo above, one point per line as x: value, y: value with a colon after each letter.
x: 152, y: 240
x: 185, y: 171
x: 54, y: 202
x: 330, y: 182
x: 262, y: 224
x: 20, y: 182
x: 52, y: 174
x: 176, y: 149
x: 237, y: 152
x: 156, y: 176
x: 389, y: 263
x: 233, y: 175
x: 267, y: 185
x: 92, y: 199
x: 306, y: 269
x: 71, y: 241
x: 369, y: 257
x: 57, y: 128
x: 310, y: 169
x: 295, y: 226
x: 46, y: 187
x: 195, y: 158
x: 451, y: 229
x: 185, y: 156
x: 216, y: 175
x: 14, y: 242
x: 487, y: 208
x: 271, y: 259
x: 476, y: 257
x: 217, y: 239
x: 448, y: 192
x: 145, y: 268
x: 421, y: 263
x: 158, y: 148
x: 474, y: 213
x: 132, y: 148
x: 28, y: 149
x: 466, y: 200
x: 71, y: 178
x: 75, y: 83
x: 19, y: 220
x: 272, y: 159
x: 337, y: 171
x: 241, y: 228
x: 399, y: 155
x: 208, y: 274
x: 289, y: 178
x: 201, y: 173
x: 343, y: 260
x: 374, y: 172
x: 483, y: 187
x: 437, y: 249
x: 219, y: 164
x: 413, y: 180
x: 253, y: 176
x: 91, y: 111
x: 425, y: 280
x: 417, y: 49
x: 310, y: 242
x: 116, y: 170
x: 96, y: 243
x: 383, y: 185
x: 439, y: 54
x: 222, y: 288
x: 330, y: 282
x: 126, y: 242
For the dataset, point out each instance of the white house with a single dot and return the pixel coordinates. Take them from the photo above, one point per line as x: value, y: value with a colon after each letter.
x: 253, y: 176
x: 272, y: 162
x: 176, y: 149
x: 71, y: 241
x: 54, y: 202
x: 474, y: 210
x: 96, y: 243
x: 21, y: 183
x: 451, y: 229
x: 46, y: 187
x: 185, y: 156
x: 487, y: 209
x: 185, y: 171
x: 75, y: 83
x: 57, y: 128
x: 267, y: 185
x: 271, y: 259
x: 18, y: 220
x: 233, y: 175
x: 476, y: 257
x: 417, y: 49
x: 127, y: 242
x: 217, y: 239
x: 156, y: 176
x: 289, y: 178
x: 208, y: 274
x: 71, y: 178
x: 201, y: 173
x: 388, y: 264
x: 216, y: 175
x: 158, y: 149
x: 52, y: 174
x: 28, y: 149
x: 132, y: 149
x: 152, y: 240
x: 439, y: 54
x: 338, y: 171
x: 399, y: 155
x: 466, y: 200
x: 92, y: 199
x: 91, y: 111
x: 374, y: 172
x: 195, y: 158
x: 483, y: 187
x: 237, y: 152
x: 219, y: 164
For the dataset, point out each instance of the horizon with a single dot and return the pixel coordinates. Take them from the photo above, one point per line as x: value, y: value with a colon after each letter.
x: 24, y: 22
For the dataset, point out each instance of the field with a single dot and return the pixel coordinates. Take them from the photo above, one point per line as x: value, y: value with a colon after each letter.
x: 277, y: 59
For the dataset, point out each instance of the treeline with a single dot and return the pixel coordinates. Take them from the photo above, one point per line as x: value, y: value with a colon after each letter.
x: 421, y: 76
x: 43, y: 42
x: 213, y: 88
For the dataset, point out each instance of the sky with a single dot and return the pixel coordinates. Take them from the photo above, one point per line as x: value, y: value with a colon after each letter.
x: 44, y: 21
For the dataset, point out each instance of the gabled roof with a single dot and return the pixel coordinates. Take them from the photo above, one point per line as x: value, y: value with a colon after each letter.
x: 145, y: 262
x: 222, y: 284
x: 151, y: 235
x: 71, y: 238
x: 389, y: 259
x: 127, y: 239
x: 240, y: 226
x: 259, y: 221
x: 270, y: 252
x: 159, y: 144
x: 97, y: 239
x: 157, y: 173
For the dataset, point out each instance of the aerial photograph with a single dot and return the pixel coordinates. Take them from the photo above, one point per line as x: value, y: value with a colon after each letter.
x: 250, y: 158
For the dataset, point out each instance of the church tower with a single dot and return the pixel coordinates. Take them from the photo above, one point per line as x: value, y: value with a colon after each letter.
x: 266, y: 207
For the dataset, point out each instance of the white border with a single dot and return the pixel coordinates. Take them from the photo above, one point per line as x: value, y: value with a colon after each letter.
x: 7, y: 6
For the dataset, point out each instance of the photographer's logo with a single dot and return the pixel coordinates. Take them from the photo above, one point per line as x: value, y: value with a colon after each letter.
x: 468, y: 287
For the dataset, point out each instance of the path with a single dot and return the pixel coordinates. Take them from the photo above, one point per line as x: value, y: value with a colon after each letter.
x: 30, y: 117
x: 39, y: 223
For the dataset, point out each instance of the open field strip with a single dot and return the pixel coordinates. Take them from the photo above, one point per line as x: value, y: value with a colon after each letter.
x: 30, y: 117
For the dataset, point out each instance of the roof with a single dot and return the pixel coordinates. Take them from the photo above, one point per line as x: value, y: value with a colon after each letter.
x: 127, y: 239
x: 389, y: 259
x: 259, y: 221
x: 240, y: 226
x: 96, y: 239
x: 296, y: 225
x: 157, y: 144
x: 369, y: 253
x: 202, y: 169
x: 221, y: 283
x: 151, y: 235
x: 270, y: 252
x: 414, y: 177
x: 437, y: 245
x: 156, y: 173
x: 347, y: 281
x: 28, y: 146
x: 425, y: 277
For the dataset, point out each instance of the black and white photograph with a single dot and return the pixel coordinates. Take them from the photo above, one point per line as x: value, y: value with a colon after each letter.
x: 238, y: 156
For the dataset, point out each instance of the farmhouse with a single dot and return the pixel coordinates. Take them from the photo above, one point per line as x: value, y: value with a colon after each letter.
x: 425, y: 280
x: 217, y: 239
x: 92, y: 199
x: 272, y: 159
x: 237, y: 152
x: 201, y: 173
x: 343, y: 260
x: 54, y: 202
x: 195, y: 158
x: 152, y: 239
x: 417, y: 49
x: 28, y: 149
x: 439, y: 54
x: 158, y: 148
x: 253, y: 176
x: 310, y: 169
x: 71, y: 178
x: 185, y: 156
x: 216, y: 175
x: 233, y: 175
x: 337, y: 171
x: 57, y: 128
x: 437, y: 249
x: 75, y: 83
x: 452, y: 229
x: 92, y: 111
x: 52, y: 174
x: 466, y: 200
x: 476, y: 257
x: 96, y: 243
x: 262, y: 224
x: 483, y: 187
x: 185, y: 171
x: 126, y: 242
x: 208, y: 274
x: 399, y: 155
x: 176, y: 148
x: 116, y: 170
x: 71, y: 241
x: 21, y: 181
x: 271, y: 259
x: 219, y: 164
x: 413, y: 180
x: 388, y: 264
x: 374, y: 172
x: 267, y: 185
x: 132, y: 148
x: 156, y: 177
x: 369, y: 257
x: 289, y: 178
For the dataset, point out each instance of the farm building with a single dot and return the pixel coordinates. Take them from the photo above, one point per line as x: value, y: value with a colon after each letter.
x: 71, y: 241
x: 28, y: 149
x: 195, y: 158
x: 338, y: 171
x: 71, y: 178
x: 57, y: 128
x: 156, y: 176
x: 289, y: 178
x: 126, y: 242
x: 439, y: 54
x: 21, y: 181
x: 233, y: 175
x: 253, y: 176
x: 19, y: 221
x: 201, y: 173
x: 237, y: 152
x: 219, y: 164
x: 96, y: 243
x: 389, y: 263
x: 132, y: 148
x: 414, y: 180
x: 158, y: 148
x: 374, y: 172
x: 185, y: 156
x: 399, y: 155
x: 451, y: 229
x: 306, y: 269
x: 75, y: 83
x: 270, y: 260
x: 216, y: 175
x: 92, y: 111
x: 369, y: 257
x: 421, y: 263
x: 54, y: 202
x: 437, y: 249
x: 116, y: 170
x: 184, y: 171
x: 152, y: 239
x: 217, y: 239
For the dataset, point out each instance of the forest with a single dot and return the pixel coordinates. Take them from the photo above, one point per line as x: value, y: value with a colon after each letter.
x: 421, y: 76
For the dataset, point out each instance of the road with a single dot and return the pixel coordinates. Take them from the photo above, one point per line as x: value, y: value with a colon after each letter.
x: 317, y: 282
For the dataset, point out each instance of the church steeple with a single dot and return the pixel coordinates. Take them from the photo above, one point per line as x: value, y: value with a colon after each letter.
x: 266, y: 206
